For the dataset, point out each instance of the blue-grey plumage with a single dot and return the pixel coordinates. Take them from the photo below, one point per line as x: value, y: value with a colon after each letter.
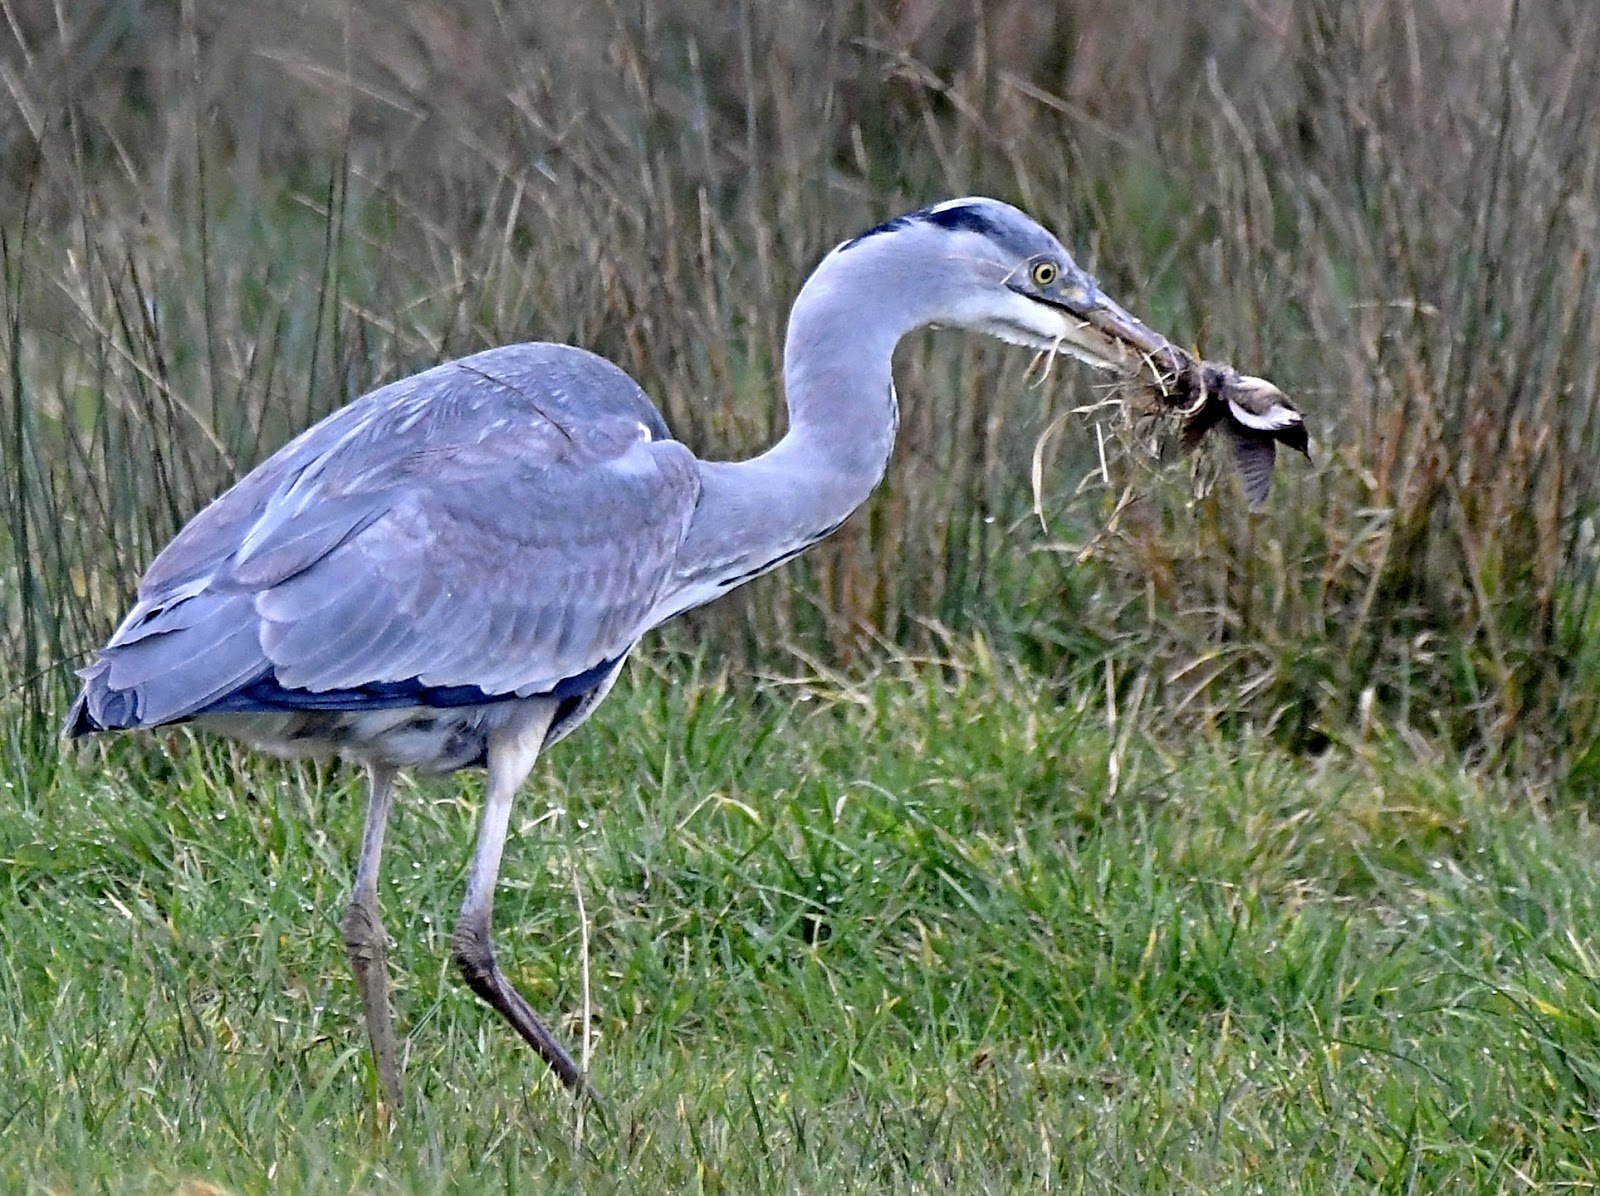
x: 404, y: 554
x: 449, y: 571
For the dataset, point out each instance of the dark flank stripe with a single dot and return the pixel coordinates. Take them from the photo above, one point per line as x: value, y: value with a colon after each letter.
x: 265, y: 694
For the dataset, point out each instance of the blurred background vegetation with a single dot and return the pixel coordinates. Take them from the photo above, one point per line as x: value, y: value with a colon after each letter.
x: 221, y: 219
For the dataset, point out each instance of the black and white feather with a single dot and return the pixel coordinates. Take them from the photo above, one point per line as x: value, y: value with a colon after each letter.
x: 1255, y: 416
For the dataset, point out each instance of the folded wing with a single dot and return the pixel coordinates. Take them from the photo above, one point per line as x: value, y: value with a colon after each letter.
x: 495, y: 526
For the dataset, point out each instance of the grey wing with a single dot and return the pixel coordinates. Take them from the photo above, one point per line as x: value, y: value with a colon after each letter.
x: 1254, y: 453
x: 503, y: 523
x: 505, y: 584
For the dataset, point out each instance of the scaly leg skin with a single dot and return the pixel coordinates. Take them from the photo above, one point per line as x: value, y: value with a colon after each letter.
x: 365, y: 939
x: 512, y: 752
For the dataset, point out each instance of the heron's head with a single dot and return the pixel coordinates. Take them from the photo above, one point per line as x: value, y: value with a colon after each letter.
x: 982, y: 264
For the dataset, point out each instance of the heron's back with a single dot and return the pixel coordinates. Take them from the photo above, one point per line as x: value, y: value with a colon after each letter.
x: 496, y: 529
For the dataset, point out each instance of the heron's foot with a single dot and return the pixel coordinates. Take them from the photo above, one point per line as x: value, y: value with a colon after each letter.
x: 368, y: 947
x: 473, y: 952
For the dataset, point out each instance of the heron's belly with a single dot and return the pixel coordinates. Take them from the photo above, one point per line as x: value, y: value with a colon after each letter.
x: 431, y: 738
x: 428, y: 738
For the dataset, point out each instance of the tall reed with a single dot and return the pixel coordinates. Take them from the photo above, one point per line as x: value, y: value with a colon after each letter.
x: 224, y: 220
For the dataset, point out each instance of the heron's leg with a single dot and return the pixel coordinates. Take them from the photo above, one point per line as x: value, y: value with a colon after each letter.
x: 364, y: 936
x: 512, y: 752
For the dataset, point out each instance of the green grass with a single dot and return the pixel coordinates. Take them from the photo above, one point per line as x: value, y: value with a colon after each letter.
x: 955, y: 928
x: 897, y: 936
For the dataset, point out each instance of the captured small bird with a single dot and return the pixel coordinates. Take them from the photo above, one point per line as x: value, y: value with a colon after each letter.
x: 1255, y: 414
x: 449, y: 572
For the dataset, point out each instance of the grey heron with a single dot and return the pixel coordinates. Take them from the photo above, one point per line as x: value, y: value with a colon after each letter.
x: 448, y: 572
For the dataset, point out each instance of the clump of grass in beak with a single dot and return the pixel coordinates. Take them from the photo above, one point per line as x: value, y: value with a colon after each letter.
x: 1175, y: 388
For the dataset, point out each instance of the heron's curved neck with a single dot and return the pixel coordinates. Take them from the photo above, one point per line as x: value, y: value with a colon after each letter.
x: 842, y: 418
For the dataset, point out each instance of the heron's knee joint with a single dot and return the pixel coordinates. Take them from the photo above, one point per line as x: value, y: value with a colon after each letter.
x: 473, y: 953
x: 363, y: 932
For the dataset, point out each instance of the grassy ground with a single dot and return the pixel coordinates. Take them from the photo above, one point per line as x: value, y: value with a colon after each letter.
x: 944, y: 930
x: 952, y: 929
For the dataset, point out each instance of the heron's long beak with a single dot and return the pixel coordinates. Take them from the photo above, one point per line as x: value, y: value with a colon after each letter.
x: 1113, y: 321
x: 1103, y: 332
x: 1256, y: 415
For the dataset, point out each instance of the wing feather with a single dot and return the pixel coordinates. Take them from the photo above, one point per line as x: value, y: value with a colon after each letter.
x: 504, y: 523
x: 294, y: 539
x: 308, y: 647
x: 160, y: 679
x: 1255, y: 455
x: 337, y: 659
x: 1275, y: 418
x: 497, y: 597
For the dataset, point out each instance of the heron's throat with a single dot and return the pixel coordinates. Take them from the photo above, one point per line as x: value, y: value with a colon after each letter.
x: 761, y: 512
x: 838, y: 379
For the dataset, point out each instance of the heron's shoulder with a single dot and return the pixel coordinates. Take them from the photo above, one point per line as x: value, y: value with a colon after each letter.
x: 570, y: 385
x: 519, y: 405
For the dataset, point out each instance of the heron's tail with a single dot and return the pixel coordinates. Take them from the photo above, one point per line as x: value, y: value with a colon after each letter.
x: 115, y: 713
x: 168, y: 661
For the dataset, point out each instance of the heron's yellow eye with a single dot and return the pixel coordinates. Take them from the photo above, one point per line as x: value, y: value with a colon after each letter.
x: 1045, y: 273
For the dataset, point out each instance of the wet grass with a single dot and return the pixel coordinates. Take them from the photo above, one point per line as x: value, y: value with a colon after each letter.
x: 896, y: 935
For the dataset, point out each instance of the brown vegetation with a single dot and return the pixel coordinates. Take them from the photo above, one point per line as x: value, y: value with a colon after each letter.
x: 223, y: 219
